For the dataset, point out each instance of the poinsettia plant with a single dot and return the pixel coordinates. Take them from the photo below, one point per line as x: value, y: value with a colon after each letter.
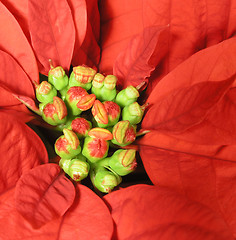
x: 185, y: 53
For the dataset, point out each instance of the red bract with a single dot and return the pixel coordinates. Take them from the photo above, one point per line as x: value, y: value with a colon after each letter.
x: 191, y: 115
x: 21, y: 149
x: 20, y: 50
x: 48, y: 22
x: 193, y: 26
x: 43, y: 194
x: 142, y: 55
x: 88, y: 218
x: 152, y: 212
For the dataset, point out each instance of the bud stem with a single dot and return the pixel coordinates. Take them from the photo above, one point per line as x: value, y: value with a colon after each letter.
x: 140, y: 86
x: 51, y: 64
x: 142, y: 132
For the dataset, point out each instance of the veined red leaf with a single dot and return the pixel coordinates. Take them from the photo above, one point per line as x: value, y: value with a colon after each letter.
x: 219, y: 126
x: 43, y: 194
x: 89, y: 52
x: 9, y: 104
x: 15, y: 226
x: 19, y: 8
x: 14, y: 42
x: 203, y: 173
x: 186, y: 107
x: 193, y: 26
x: 13, y: 77
x: 21, y: 149
x: 211, y: 64
x: 142, y: 55
x: 79, y: 14
x: 152, y: 212
x: 52, y: 33
x: 88, y: 218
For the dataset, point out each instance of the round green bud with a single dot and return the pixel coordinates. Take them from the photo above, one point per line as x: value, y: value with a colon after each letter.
x: 55, y: 112
x: 127, y: 96
x: 67, y: 146
x: 57, y: 77
x: 133, y: 113
x: 124, y: 133
x: 82, y: 76
x: 105, y: 180
x: 123, y: 161
x: 95, y: 149
x: 45, y: 92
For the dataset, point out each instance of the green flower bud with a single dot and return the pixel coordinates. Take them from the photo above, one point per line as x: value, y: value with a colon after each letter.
x: 123, y: 162
x: 108, y: 91
x: 45, y: 92
x: 127, y: 96
x: 77, y: 169
x: 57, y: 77
x: 67, y: 146
x: 104, y: 180
x: 82, y: 77
x: 81, y: 127
x: 123, y: 133
x: 96, y: 144
x: 55, y: 112
x: 113, y: 114
x: 97, y: 84
x: 133, y: 113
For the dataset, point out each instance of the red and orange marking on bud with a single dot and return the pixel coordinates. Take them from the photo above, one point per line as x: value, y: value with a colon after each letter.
x: 44, y: 87
x: 101, y: 133
x: 80, y: 126
x: 57, y: 72
x: 127, y: 158
x: 112, y: 109
x: 76, y: 93
x: 97, y: 147
x: 60, y: 107
x: 84, y: 74
x: 99, y: 112
x: 71, y: 138
x: 86, y: 102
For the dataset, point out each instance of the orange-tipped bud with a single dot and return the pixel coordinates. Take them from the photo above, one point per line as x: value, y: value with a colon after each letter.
x: 101, y: 133
x: 99, y: 112
x: 86, y: 102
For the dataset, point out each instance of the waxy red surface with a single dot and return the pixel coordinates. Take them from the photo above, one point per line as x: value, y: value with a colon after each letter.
x: 185, y: 50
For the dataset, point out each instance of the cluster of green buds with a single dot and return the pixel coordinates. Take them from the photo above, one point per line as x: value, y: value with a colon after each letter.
x: 97, y: 122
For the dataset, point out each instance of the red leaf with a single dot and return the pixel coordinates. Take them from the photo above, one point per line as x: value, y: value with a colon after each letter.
x: 9, y: 104
x: 15, y: 226
x: 149, y: 212
x: 43, y: 194
x: 13, y: 77
x: 141, y: 56
x: 211, y: 64
x: 79, y: 14
x: 219, y: 126
x: 88, y: 218
x: 19, y: 8
x: 203, y: 173
x: 20, y: 50
x: 89, y: 52
x: 52, y: 33
x: 193, y: 26
x: 186, y: 107
x: 21, y: 149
